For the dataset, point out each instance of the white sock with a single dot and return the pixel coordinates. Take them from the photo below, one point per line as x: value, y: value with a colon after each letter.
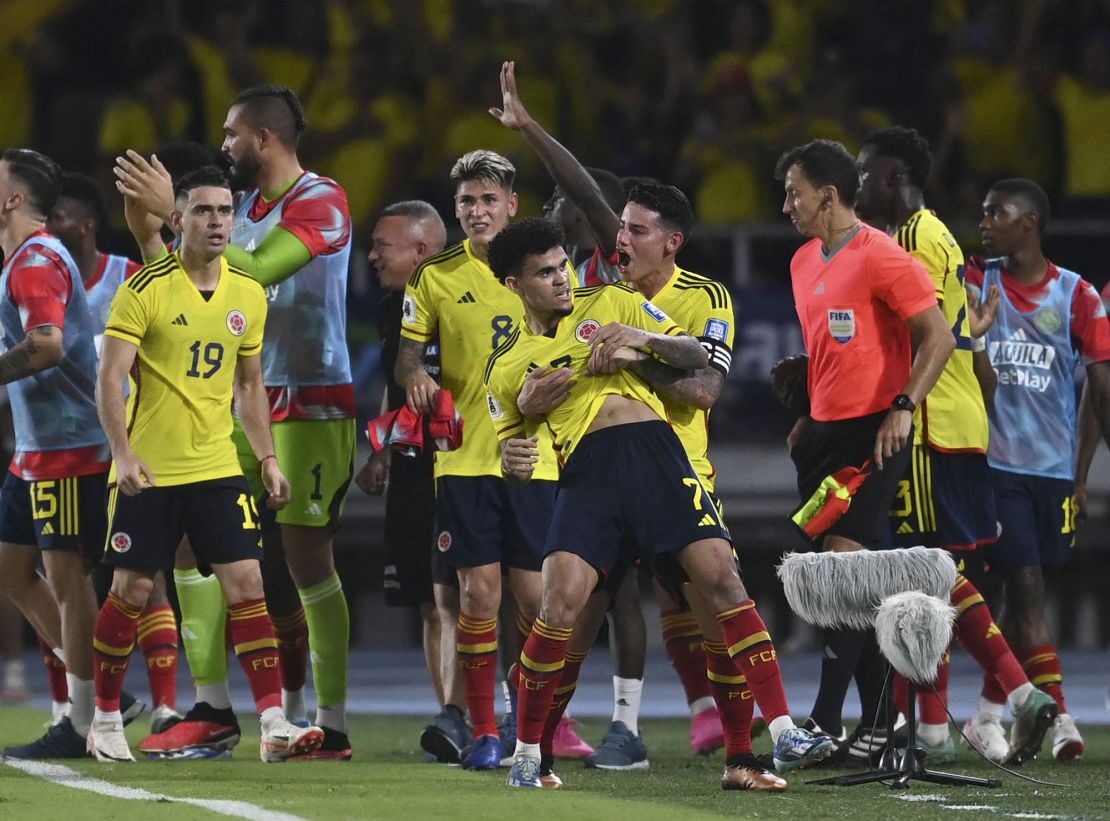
x: 110, y: 715
x: 58, y: 710
x: 626, y: 702
x: 82, y: 698
x: 932, y: 733
x: 216, y: 696
x: 292, y: 702
x: 778, y: 726
x: 270, y: 716
x: 60, y: 653
x: 526, y: 750
x: 333, y: 717
x: 700, y: 705
x: 989, y: 710
x: 1017, y: 696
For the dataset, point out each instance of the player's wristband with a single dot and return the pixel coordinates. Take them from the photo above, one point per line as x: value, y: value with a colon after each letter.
x: 264, y: 458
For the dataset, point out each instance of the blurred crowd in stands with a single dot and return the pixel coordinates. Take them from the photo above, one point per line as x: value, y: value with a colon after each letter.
x: 701, y: 93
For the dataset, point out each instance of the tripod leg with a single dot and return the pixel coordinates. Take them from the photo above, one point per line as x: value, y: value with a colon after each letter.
x: 857, y: 778
x: 953, y: 780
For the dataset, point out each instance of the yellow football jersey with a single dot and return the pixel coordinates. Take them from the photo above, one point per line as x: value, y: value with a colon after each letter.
x: 952, y: 417
x: 704, y: 308
x: 524, y: 351
x: 179, y: 408
x: 456, y: 297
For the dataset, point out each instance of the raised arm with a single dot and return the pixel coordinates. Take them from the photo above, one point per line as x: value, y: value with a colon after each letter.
x: 569, y: 174
x: 278, y: 257
x: 148, y: 188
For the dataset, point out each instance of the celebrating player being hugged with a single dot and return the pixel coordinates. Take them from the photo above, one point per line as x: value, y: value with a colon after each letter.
x: 610, y: 433
x: 190, y: 326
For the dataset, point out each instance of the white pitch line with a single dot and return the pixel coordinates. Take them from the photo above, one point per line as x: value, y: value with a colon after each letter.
x: 65, y: 777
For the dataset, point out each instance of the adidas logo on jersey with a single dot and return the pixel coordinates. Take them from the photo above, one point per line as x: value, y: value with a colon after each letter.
x: 48, y: 529
x: 466, y: 298
x: 180, y: 320
x: 905, y: 528
x: 707, y: 521
x: 313, y: 510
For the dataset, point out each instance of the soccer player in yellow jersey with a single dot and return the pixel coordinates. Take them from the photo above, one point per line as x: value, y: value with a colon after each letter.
x: 698, y: 304
x: 292, y: 233
x: 188, y: 329
x: 482, y: 523
x: 611, y: 436
x: 946, y: 499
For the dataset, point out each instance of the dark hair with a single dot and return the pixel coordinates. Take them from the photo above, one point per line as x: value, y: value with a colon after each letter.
x: 85, y: 190
x: 668, y: 202
x: 612, y: 190
x: 275, y: 108
x: 208, y: 175
x: 534, y: 235
x: 1029, y: 191
x: 628, y: 183
x: 182, y: 156
x: 907, y: 145
x: 824, y: 162
x: 40, y: 175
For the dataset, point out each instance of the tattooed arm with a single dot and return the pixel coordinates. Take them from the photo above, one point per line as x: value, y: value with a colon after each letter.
x: 699, y: 388
x: 39, y: 350
x: 420, y: 388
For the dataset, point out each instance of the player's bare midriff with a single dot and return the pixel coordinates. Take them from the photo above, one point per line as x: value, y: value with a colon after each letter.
x: 621, y: 410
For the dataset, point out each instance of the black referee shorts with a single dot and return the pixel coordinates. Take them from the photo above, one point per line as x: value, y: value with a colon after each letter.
x: 828, y: 447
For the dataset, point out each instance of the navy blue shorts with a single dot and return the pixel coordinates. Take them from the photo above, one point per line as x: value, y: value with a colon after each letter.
x: 218, y: 515
x: 484, y: 520
x: 628, y: 492
x: 828, y: 447
x: 1037, y: 515
x: 944, y: 500
x: 55, y: 514
x: 670, y: 573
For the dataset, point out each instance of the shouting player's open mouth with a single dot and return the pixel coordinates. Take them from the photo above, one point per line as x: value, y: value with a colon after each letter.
x: 623, y: 261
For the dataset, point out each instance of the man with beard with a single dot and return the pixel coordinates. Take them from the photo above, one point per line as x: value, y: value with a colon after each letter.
x: 292, y: 233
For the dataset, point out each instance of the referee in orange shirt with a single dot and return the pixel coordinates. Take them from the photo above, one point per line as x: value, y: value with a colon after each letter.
x: 876, y: 343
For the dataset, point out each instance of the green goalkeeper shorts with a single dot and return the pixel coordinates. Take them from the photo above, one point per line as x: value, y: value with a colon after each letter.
x: 317, y: 457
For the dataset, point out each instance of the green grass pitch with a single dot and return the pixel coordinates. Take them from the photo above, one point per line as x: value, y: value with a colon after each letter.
x: 389, y: 780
